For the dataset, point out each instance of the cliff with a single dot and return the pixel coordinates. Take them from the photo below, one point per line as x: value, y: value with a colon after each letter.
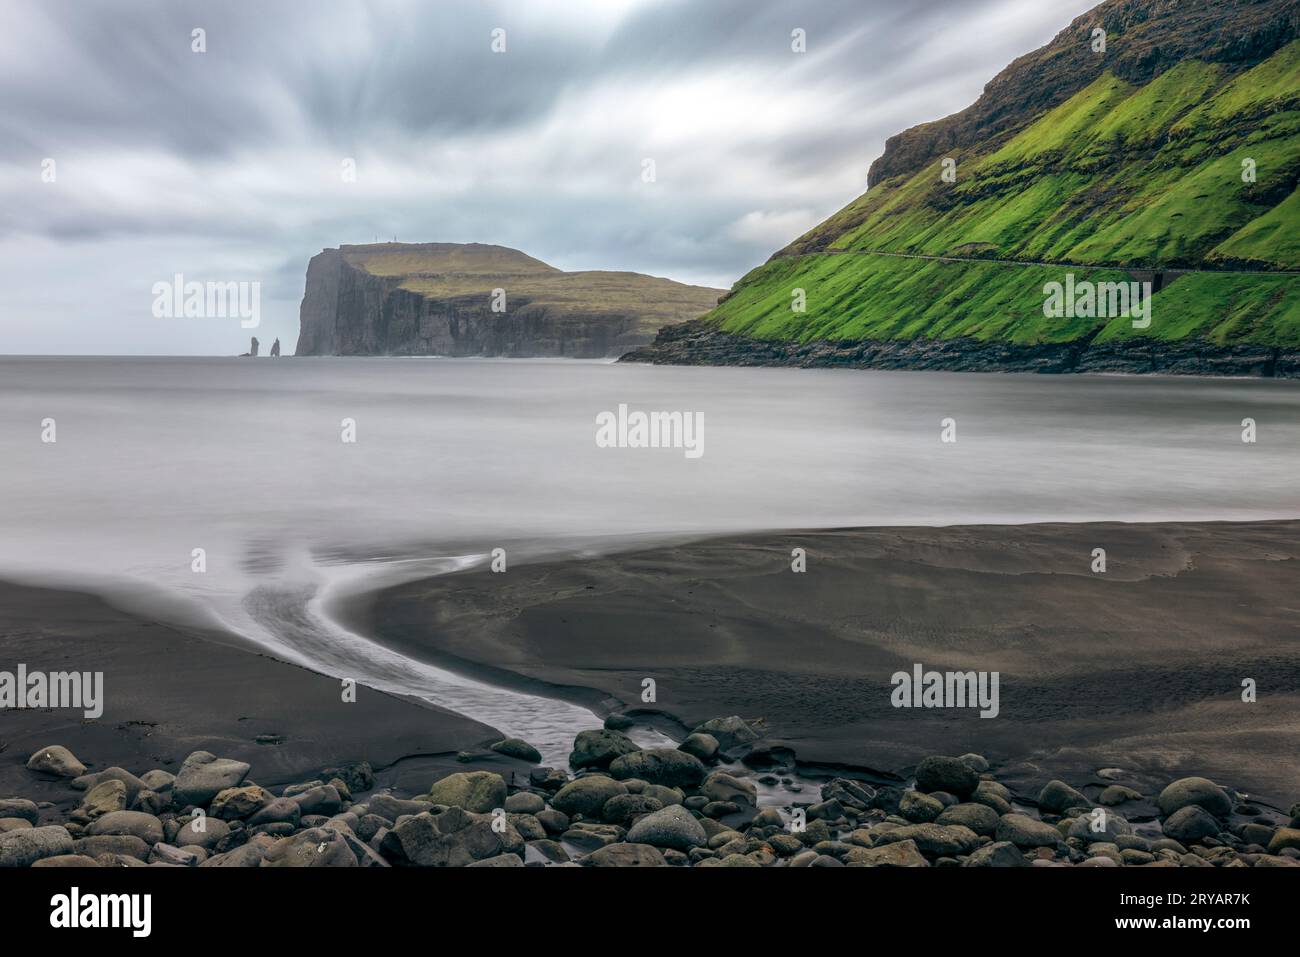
x: 437, y: 299
x: 1153, y: 36
x: 1171, y: 156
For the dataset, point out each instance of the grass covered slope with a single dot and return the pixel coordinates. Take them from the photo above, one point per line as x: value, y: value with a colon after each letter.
x: 1184, y: 166
x: 880, y: 297
x: 852, y: 296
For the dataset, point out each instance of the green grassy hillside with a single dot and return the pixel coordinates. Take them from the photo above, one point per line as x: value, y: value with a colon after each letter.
x: 1118, y: 177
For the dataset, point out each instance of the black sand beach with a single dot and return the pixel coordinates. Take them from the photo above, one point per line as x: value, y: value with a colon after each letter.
x: 170, y: 691
x: 1138, y: 668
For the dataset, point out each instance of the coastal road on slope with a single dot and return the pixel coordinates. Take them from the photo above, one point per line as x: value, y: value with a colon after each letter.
x: 1166, y: 270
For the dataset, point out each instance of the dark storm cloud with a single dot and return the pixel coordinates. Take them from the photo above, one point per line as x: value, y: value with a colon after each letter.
x: 418, y: 67
x: 233, y: 156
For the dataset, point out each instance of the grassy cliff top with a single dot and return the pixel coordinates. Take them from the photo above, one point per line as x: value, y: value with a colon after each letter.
x: 471, y: 271
x: 433, y: 259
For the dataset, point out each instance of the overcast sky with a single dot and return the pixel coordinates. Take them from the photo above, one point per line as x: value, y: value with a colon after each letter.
x: 227, y: 165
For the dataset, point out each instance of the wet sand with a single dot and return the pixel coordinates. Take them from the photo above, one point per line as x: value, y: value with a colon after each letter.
x: 171, y: 691
x: 1138, y: 668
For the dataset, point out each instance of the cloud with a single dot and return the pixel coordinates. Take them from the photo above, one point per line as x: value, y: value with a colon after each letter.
x: 772, y: 228
x: 226, y: 165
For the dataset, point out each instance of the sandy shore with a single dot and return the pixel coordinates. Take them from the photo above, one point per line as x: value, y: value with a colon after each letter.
x: 1138, y: 668
x: 169, y: 692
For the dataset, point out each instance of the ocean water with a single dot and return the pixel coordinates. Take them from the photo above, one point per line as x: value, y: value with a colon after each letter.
x: 245, y: 459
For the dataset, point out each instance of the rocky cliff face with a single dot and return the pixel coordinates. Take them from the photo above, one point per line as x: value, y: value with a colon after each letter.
x: 438, y: 299
x: 1154, y: 35
x: 702, y: 343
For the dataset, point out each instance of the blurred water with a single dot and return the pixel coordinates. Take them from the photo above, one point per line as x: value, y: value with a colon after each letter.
x: 243, y: 458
